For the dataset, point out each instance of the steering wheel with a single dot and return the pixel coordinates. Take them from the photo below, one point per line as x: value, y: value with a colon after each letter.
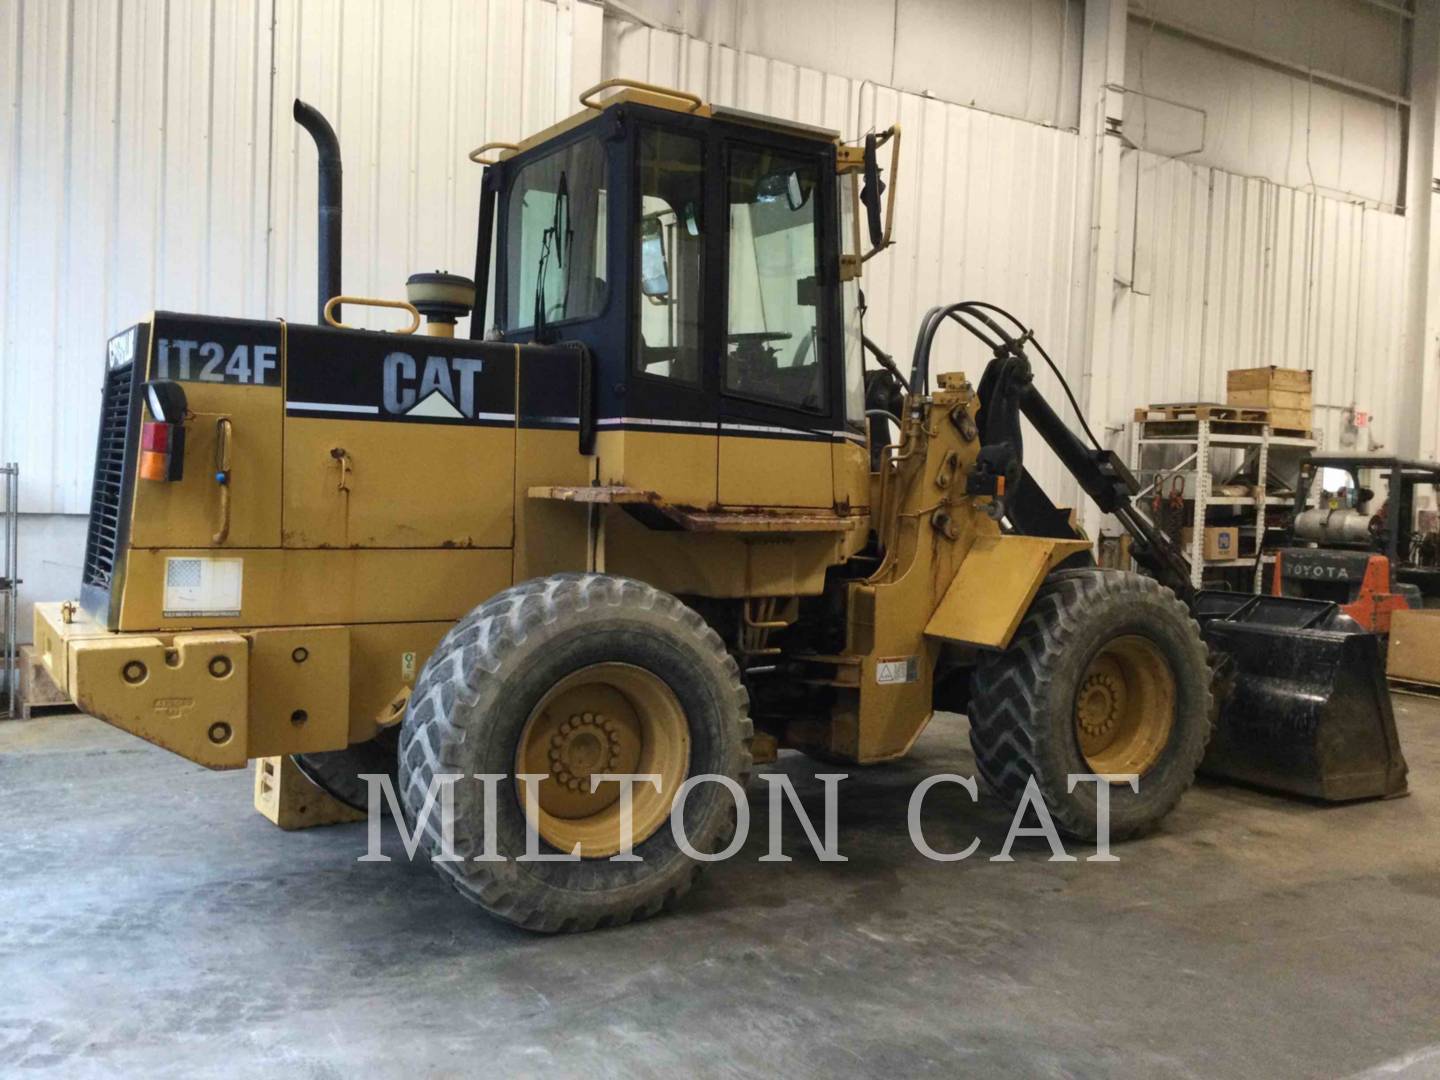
x: 802, y: 351
x: 758, y: 337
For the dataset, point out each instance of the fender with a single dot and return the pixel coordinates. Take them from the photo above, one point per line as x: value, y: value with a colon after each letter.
x: 995, y: 586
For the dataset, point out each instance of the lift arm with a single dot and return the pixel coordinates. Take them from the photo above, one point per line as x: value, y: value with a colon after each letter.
x: 1007, y: 391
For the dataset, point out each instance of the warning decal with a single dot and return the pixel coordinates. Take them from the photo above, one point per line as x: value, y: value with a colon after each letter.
x: 897, y: 669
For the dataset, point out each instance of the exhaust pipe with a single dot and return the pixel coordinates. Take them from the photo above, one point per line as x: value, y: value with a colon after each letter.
x: 328, y: 147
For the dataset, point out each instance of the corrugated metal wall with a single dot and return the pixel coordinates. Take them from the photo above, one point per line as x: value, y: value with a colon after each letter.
x: 136, y: 152
x: 1217, y: 271
x: 139, y: 170
x: 984, y: 209
x: 411, y: 88
x: 1224, y: 109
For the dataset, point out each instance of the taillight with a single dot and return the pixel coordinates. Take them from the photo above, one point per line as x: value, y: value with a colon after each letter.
x: 162, y: 451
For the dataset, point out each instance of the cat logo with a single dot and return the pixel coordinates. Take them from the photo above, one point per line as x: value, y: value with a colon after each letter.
x: 173, y: 708
x: 121, y: 347
x: 443, y: 388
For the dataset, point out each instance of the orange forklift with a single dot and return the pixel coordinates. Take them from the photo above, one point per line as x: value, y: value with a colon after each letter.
x: 1369, y: 554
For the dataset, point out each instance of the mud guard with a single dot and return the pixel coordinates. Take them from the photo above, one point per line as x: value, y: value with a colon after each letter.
x: 1302, y: 702
x: 994, y: 586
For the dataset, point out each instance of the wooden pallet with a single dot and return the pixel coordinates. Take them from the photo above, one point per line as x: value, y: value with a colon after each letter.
x: 37, y: 694
x: 1203, y: 410
x: 1182, y: 420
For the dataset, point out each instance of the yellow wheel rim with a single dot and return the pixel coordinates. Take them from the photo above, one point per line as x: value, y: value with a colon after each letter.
x: 1125, y: 707
x: 605, y: 718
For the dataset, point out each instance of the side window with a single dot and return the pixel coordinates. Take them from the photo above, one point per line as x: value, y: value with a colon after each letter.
x: 671, y: 246
x: 555, y: 238
x: 772, y: 349
x: 852, y: 304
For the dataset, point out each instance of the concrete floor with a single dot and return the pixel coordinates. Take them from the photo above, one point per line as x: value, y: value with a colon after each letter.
x: 152, y: 924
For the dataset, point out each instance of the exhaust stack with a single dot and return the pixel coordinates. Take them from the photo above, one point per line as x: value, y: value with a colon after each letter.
x: 328, y: 261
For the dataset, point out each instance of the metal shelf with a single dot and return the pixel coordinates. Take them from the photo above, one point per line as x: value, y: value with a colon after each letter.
x: 1223, y: 563
x: 1249, y: 500
x: 1232, y: 440
x: 1199, y: 483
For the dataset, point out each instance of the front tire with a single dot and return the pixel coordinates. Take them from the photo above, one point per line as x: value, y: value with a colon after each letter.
x: 569, y: 676
x: 1107, y: 674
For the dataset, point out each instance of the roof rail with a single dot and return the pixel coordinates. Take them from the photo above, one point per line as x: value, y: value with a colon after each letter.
x: 587, y: 98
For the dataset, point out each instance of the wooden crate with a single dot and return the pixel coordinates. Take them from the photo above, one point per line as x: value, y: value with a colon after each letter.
x: 1285, y: 392
x: 1414, y: 652
x: 36, y: 693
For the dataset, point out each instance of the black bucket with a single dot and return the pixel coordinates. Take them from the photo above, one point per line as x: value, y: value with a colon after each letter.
x: 1303, y: 706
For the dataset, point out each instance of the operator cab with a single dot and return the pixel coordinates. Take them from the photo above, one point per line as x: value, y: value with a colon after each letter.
x: 696, y: 252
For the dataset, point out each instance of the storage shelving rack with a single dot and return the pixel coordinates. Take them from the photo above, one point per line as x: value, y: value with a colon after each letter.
x: 1202, y: 443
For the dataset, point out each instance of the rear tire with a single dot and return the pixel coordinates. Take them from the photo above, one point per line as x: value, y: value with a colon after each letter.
x: 1089, y: 663
x: 493, y: 682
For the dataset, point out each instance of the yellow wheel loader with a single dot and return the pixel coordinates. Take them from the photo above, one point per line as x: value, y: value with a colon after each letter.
x: 664, y: 511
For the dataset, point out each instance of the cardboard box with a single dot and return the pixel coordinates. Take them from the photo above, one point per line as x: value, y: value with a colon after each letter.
x: 1222, y: 542
x: 1415, y: 646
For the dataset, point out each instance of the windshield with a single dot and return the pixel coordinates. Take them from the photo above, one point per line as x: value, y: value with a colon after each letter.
x: 555, y: 238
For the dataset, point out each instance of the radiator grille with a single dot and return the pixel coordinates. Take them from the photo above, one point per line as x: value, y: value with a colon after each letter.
x: 107, y: 495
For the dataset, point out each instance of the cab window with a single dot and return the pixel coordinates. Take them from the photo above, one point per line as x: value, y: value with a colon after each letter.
x: 555, y: 238
x: 671, y: 256
x: 772, y: 346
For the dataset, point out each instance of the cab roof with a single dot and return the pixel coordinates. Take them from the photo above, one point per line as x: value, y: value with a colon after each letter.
x: 633, y: 92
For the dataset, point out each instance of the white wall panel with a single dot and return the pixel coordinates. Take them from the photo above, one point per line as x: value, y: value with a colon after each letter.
x: 148, y: 159
x: 1263, y: 119
x: 134, y: 135
x: 411, y: 89
x: 1015, y: 57
x: 1220, y: 271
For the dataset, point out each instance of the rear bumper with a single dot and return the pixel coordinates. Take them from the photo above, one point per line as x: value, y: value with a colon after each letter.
x: 216, y: 697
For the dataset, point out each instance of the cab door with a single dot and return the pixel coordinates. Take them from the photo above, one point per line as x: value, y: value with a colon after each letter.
x: 670, y: 405
x: 780, y: 392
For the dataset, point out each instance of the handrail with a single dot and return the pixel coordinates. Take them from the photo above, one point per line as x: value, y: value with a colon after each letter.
x: 696, y: 102
x: 371, y: 301
x: 474, y: 155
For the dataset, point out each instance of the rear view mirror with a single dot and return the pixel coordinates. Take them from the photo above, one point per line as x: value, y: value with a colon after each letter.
x: 879, y: 222
x: 871, y: 193
x: 654, y: 271
x: 775, y: 186
x: 794, y: 196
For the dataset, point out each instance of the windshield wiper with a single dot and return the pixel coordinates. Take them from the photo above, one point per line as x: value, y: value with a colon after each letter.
x: 548, y: 247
